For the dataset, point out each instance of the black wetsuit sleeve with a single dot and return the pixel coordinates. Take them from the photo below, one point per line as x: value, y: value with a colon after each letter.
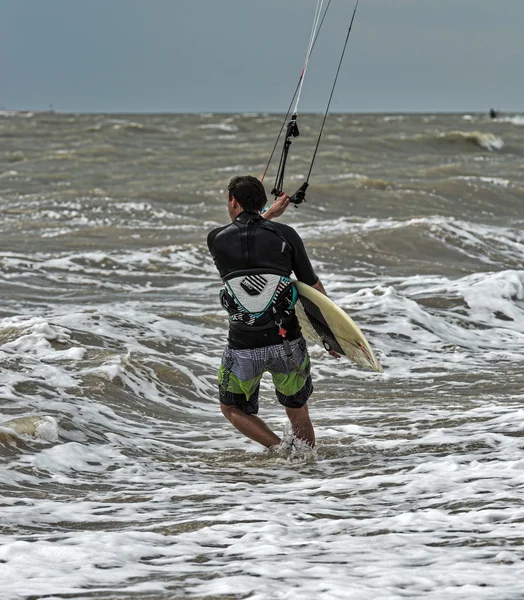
x: 301, y: 264
x: 210, y: 241
x: 210, y: 238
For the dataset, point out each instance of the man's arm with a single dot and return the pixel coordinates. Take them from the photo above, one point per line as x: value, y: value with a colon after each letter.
x: 320, y: 287
x: 278, y: 207
x: 304, y: 272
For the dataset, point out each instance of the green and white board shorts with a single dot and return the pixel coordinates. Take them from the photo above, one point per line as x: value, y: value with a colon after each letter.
x: 240, y: 373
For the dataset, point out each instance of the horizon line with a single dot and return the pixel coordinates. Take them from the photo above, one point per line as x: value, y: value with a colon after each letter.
x: 51, y: 111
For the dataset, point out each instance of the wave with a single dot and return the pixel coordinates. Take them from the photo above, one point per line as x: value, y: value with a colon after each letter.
x: 227, y: 126
x: 488, y: 141
x: 492, y: 180
x: 363, y: 181
x: 475, y: 322
x: 125, y: 125
x: 483, y: 140
x: 465, y: 139
x: 44, y: 428
x: 27, y: 114
x: 56, y: 216
x: 481, y: 239
x: 515, y: 120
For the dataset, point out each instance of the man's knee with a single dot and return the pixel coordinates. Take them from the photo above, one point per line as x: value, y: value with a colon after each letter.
x: 298, y: 414
x: 227, y: 411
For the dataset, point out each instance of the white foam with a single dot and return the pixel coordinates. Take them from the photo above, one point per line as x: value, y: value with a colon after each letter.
x: 493, y: 180
x: 47, y: 429
x: 422, y: 499
x: 230, y: 169
x: 515, y: 120
x: 227, y: 126
x: 16, y: 113
x: 489, y: 141
x: 7, y: 174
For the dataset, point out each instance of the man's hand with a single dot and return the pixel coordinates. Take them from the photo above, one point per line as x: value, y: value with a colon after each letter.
x: 278, y: 207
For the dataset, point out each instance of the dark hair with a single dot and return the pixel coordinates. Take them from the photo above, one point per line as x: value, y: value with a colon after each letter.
x: 249, y: 193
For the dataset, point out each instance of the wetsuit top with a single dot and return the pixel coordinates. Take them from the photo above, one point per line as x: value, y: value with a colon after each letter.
x: 251, y: 253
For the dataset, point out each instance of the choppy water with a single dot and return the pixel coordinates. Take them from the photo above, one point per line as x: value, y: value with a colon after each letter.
x: 110, y: 324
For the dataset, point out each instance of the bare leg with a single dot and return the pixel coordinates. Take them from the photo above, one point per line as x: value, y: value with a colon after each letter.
x: 301, y: 424
x: 251, y: 426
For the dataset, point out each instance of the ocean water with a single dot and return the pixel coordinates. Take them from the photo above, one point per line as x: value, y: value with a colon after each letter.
x: 125, y: 481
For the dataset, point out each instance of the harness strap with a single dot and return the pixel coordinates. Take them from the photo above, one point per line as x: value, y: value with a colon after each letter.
x: 292, y: 363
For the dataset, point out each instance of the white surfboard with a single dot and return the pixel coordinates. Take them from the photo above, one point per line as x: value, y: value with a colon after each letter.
x: 326, y: 324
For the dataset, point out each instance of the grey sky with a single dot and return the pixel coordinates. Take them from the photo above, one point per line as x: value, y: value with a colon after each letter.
x: 246, y: 55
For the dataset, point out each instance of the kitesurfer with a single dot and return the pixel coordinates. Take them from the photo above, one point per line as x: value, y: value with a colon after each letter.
x: 255, y: 259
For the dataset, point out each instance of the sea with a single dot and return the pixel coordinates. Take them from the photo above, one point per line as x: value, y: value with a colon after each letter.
x: 126, y: 482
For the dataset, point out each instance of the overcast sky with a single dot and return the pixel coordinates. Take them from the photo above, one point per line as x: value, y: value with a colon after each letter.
x: 246, y: 55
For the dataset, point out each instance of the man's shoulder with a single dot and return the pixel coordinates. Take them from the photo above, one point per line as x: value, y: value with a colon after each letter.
x: 282, y: 226
x: 286, y: 230
x: 219, y: 229
x: 214, y: 232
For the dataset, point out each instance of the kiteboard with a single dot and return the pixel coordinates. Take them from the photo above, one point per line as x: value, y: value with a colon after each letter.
x: 326, y: 324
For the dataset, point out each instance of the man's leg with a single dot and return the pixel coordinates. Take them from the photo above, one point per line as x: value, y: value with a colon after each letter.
x: 251, y: 426
x: 239, y: 398
x: 293, y: 389
x: 301, y: 424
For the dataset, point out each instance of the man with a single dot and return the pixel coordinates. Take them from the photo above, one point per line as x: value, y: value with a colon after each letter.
x: 255, y: 259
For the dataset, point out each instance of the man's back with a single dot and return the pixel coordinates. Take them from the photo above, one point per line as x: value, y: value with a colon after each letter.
x: 251, y: 243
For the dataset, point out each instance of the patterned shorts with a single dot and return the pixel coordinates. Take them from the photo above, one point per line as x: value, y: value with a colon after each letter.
x: 240, y: 373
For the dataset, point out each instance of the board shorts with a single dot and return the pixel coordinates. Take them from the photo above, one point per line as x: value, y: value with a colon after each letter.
x: 240, y: 373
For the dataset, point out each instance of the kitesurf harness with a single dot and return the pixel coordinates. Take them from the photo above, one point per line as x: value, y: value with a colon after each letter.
x: 292, y: 130
x: 259, y: 300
